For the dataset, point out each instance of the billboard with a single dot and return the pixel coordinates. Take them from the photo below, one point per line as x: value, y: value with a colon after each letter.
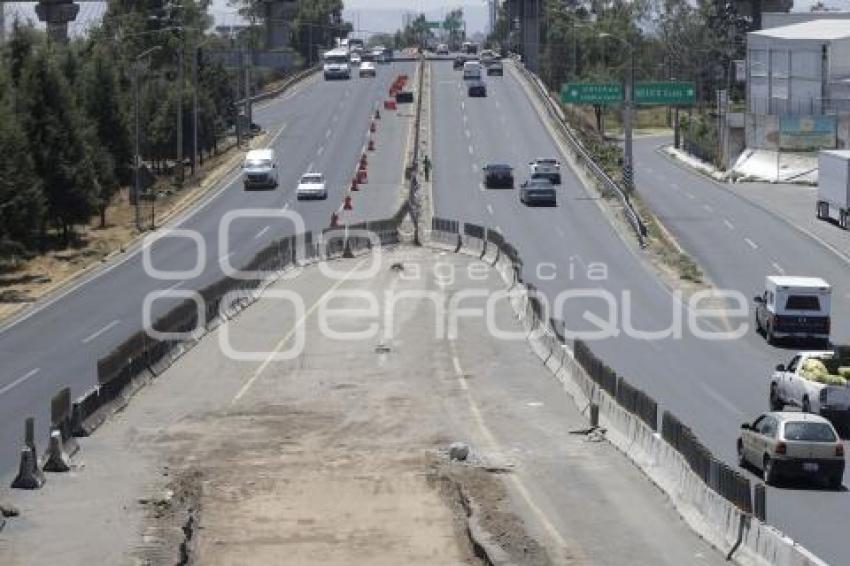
x: 806, y: 132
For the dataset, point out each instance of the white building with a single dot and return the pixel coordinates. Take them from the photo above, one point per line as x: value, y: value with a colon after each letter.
x: 801, y: 69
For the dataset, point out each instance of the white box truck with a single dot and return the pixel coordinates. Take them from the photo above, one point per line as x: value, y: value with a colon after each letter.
x: 834, y: 186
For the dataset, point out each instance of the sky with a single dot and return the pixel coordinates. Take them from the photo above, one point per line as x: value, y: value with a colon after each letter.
x: 372, y: 15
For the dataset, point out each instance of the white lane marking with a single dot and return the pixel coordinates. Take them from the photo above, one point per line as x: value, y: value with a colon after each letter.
x: 225, y: 256
x: 172, y: 287
x: 463, y: 105
x: 751, y: 243
x: 497, y: 103
x: 470, y: 149
x: 721, y: 399
x: 328, y: 133
x: 468, y: 133
x: 256, y: 375
x: 465, y: 119
x: 261, y: 232
x: 102, y: 331
x: 481, y: 187
x: 708, y: 208
x: 456, y: 364
x: 778, y: 268
x: 534, y: 404
x: 320, y: 151
x: 20, y: 380
x: 277, y: 135
x: 728, y: 224
x: 489, y: 209
x: 310, y: 167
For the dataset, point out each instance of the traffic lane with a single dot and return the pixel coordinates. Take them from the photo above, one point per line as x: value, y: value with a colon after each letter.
x: 178, y: 253
x: 61, y: 360
x: 713, y: 386
x: 455, y: 171
x: 736, y: 242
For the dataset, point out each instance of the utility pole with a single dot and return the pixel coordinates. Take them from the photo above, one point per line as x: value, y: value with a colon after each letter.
x: 180, y: 114
x: 239, y: 75
x: 628, y: 168
x: 137, y: 161
x: 196, y: 56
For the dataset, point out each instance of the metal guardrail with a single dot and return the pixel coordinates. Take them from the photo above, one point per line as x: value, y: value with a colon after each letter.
x: 584, y: 157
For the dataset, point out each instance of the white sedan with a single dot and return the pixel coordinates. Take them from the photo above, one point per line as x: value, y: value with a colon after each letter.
x: 367, y: 69
x: 312, y: 186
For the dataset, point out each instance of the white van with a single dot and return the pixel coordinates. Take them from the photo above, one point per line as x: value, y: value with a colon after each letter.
x: 259, y: 169
x: 472, y: 71
x: 794, y: 307
x: 336, y: 64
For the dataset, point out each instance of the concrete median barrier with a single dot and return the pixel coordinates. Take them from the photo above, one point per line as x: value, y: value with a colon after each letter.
x: 29, y: 475
x: 57, y: 458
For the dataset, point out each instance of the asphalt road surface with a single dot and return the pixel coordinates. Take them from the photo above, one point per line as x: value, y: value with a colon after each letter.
x: 712, y: 385
x: 320, y: 126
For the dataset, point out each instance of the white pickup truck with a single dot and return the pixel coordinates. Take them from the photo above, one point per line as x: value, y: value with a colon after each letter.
x: 816, y: 382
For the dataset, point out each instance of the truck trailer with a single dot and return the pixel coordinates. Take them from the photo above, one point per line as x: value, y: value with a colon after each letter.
x: 834, y: 186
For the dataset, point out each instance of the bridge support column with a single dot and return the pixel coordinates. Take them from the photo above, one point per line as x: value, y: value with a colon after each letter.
x: 56, y: 14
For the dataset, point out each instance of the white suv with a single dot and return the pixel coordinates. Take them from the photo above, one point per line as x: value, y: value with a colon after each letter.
x: 259, y: 169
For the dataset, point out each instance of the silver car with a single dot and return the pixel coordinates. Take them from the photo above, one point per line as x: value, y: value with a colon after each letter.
x: 792, y: 445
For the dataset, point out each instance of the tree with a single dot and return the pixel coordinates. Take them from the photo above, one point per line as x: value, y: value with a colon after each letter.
x: 105, y: 108
x: 21, y: 199
x: 455, y: 25
x: 58, y: 143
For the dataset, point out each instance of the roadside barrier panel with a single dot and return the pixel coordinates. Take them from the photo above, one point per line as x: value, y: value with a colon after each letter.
x: 493, y: 249
x: 29, y: 475
x: 473, y: 239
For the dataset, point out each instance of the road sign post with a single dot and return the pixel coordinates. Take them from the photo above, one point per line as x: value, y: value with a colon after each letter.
x: 592, y: 93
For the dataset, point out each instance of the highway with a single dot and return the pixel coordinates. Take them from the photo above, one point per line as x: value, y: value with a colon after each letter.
x: 319, y: 125
x: 712, y: 385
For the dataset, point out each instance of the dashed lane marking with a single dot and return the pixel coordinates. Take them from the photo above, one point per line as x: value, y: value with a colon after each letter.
x: 20, y: 380
x: 101, y: 332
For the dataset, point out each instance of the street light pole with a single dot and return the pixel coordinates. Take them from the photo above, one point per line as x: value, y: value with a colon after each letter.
x: 628, y: 161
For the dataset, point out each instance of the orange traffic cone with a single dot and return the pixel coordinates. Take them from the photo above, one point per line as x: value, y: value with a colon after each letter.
x: 363, y: 160
x: 371, y: 144
x: 354, y: 186
x: 347, y: 205
x: 372, y: 127
x: 362, y: 177
x: 377, y: 114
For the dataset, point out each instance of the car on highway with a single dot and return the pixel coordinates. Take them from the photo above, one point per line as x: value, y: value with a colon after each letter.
x: 336, y: 64
x: 816, y: 382
x: 458, y: 62
x: 495, y: 68
x: 311, y: 186
x: 355, y: 59
x: 259, y: 170
x: 538, y: 191
x: 786, y: 445
x: 476, y: 88
x: 367, y: 69
x: 794, y: 307
x: 498, y: 175
x: 442, y: 49
x: 472, y: 70
x: 545, y: 168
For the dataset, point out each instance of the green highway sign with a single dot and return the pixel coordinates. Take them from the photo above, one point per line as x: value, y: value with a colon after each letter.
x: 434, y: 25
x: 592, y: 93
x: 666, y: 93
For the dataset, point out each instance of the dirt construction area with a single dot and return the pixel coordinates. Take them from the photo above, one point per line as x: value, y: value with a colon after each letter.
x: 317, y: 430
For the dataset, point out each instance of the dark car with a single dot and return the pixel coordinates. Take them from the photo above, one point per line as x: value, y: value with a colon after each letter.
x: 477, y: 88
x: 458, y: 62
x: 538, y: 191
x: 495, y: 67
x: 498, y: 175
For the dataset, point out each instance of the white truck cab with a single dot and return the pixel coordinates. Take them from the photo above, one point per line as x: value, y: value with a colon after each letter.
x: 816, y: 382
x: 794, y: 307
x: 259, y: 169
